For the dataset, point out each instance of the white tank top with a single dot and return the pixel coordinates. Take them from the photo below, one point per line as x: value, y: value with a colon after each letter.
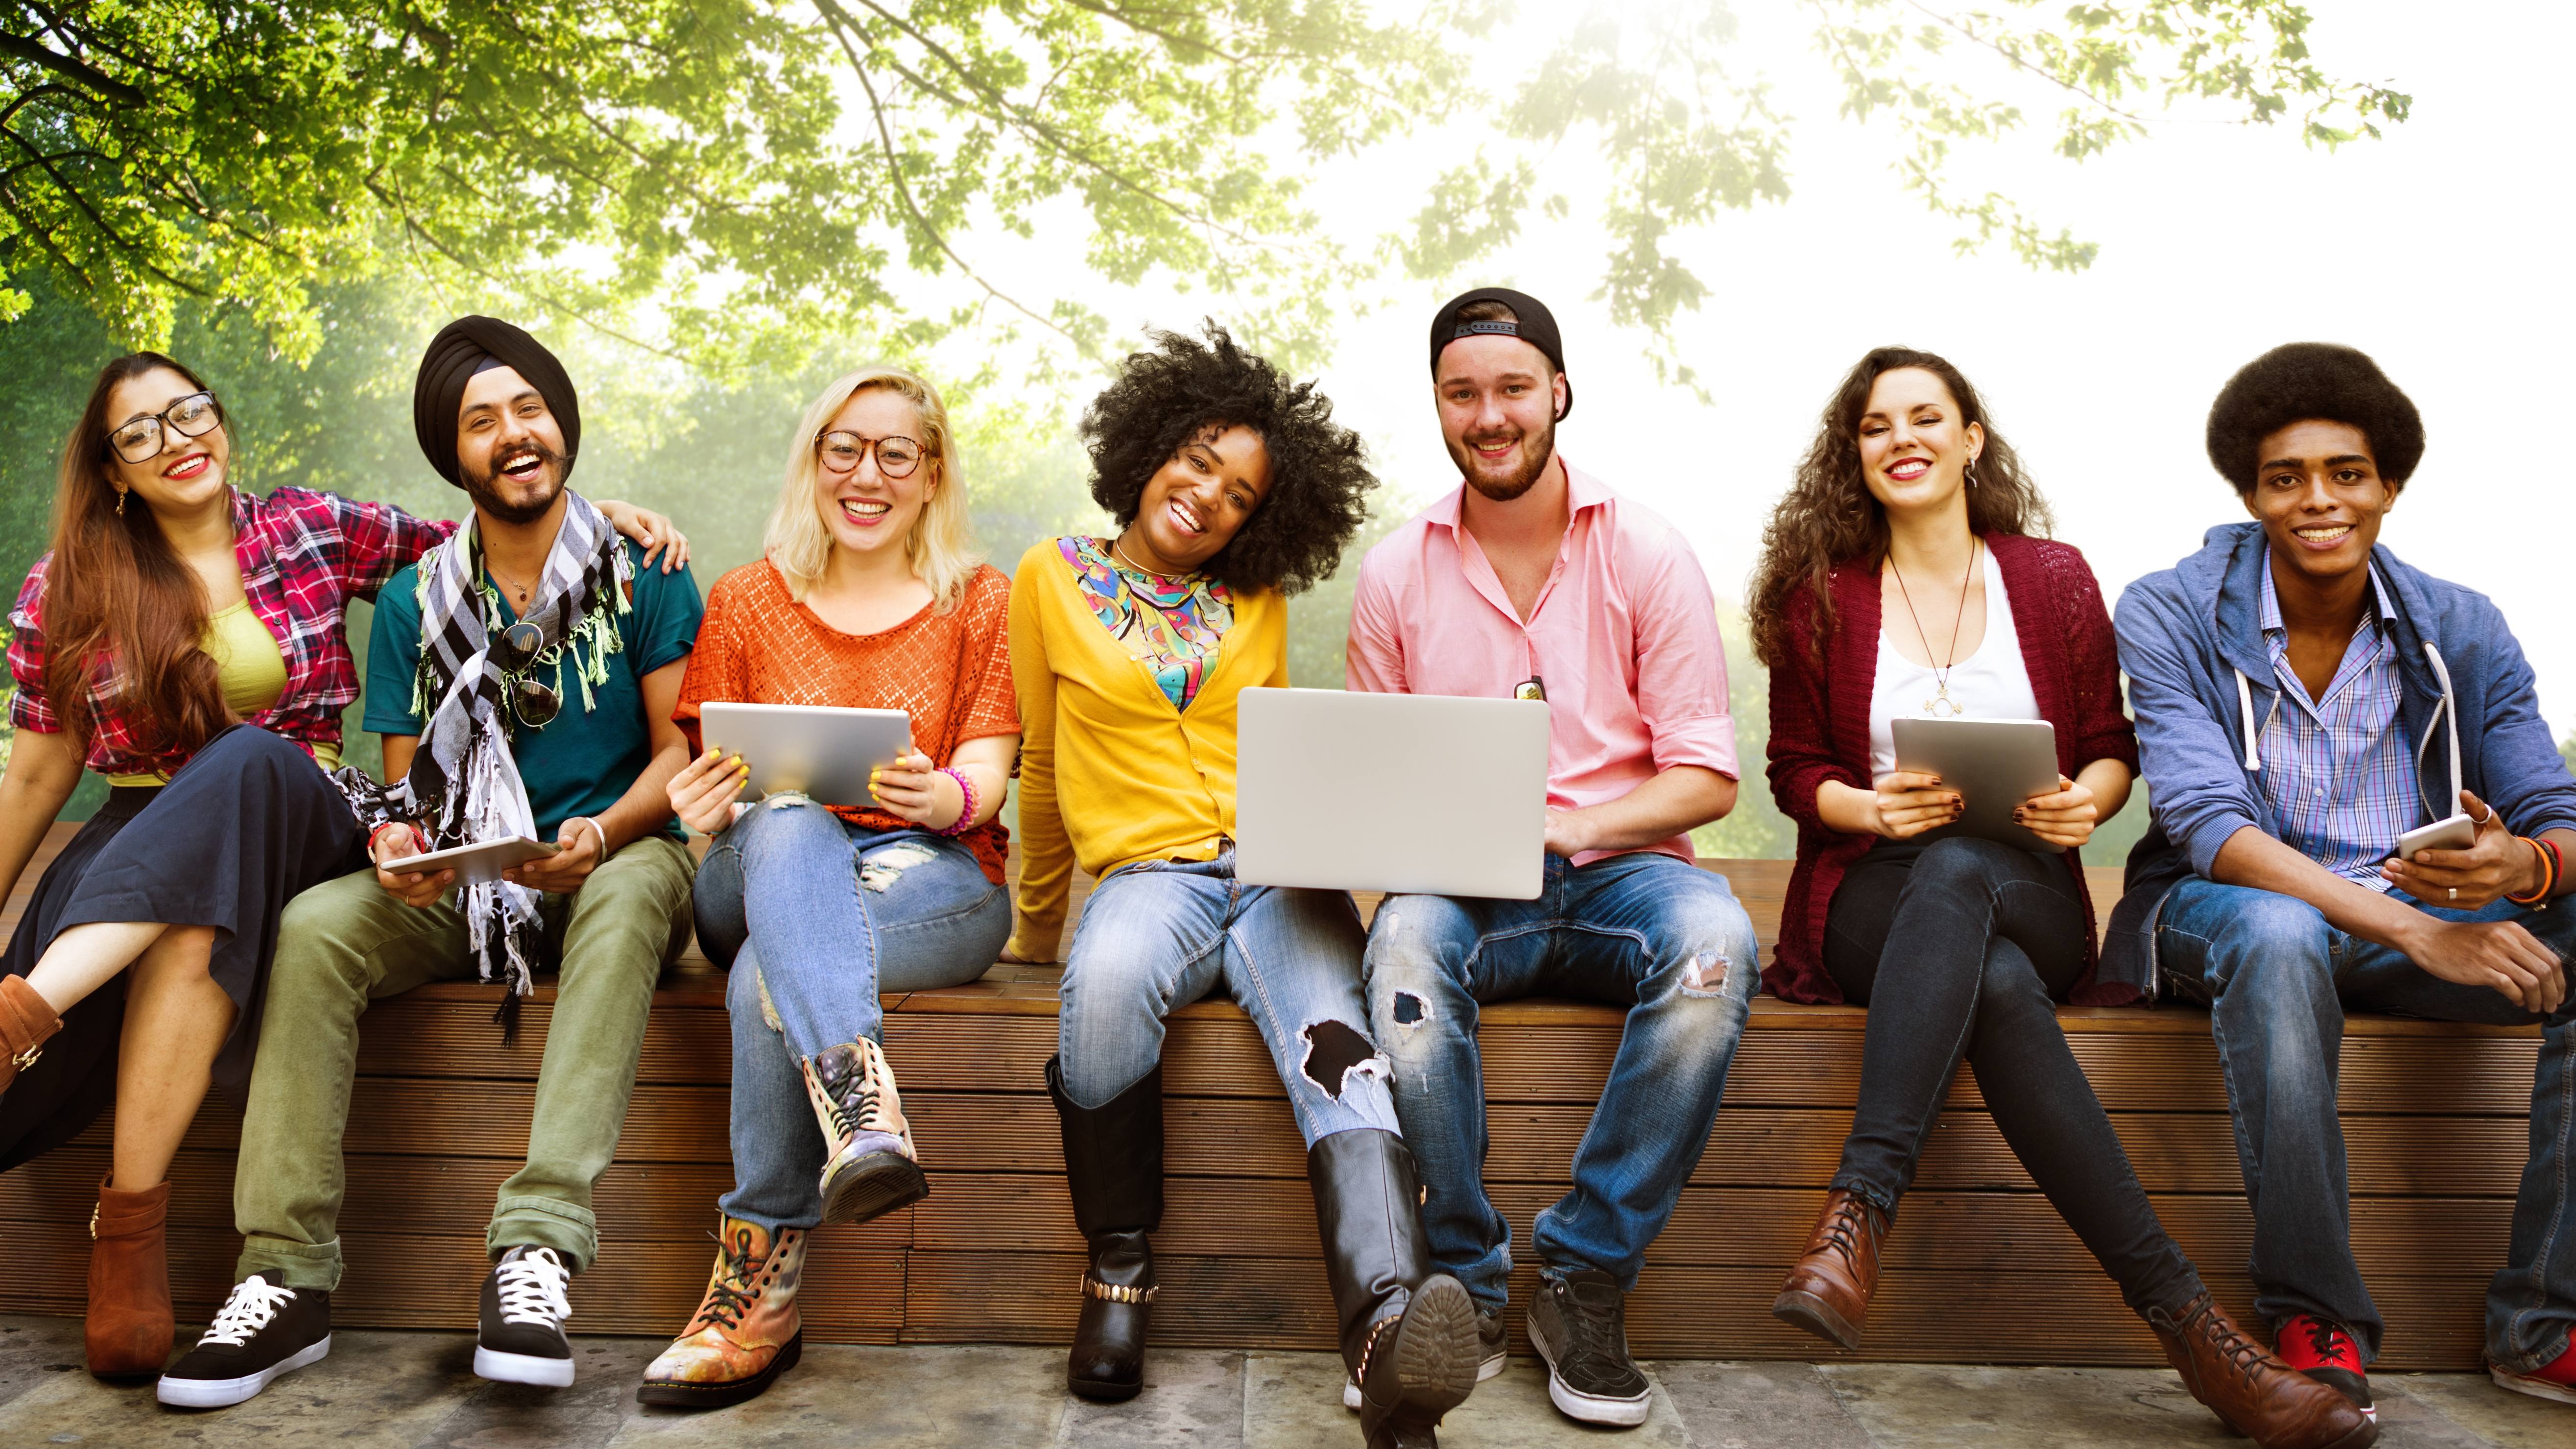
x: 1989, y: 684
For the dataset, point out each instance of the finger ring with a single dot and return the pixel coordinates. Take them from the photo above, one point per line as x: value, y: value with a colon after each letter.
x: 2455, y: 893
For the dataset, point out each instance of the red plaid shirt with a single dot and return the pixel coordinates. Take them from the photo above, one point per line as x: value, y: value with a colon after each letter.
x: 302, y: 554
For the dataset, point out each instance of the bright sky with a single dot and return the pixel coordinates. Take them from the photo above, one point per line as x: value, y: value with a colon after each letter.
x: 2440, y: 250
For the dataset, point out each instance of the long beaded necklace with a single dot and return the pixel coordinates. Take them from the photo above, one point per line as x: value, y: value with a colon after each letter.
x: 1941, y: 705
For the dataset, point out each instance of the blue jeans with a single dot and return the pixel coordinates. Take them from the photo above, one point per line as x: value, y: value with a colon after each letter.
x: 1163, y: 934
x: 1645, y: 931
x: 824, y: 916
x: 2278, y: 979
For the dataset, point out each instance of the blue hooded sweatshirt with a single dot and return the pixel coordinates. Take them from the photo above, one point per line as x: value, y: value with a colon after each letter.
x: 2201, y: 685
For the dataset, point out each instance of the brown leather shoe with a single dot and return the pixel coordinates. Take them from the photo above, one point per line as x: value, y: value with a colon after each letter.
x: 27, y: 1022
x: 2251, y: 1391
x: 129, y: 1327
x: 1828, y: 1289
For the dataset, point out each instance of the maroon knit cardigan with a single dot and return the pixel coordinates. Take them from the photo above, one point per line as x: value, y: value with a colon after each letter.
x: 1820, y: 732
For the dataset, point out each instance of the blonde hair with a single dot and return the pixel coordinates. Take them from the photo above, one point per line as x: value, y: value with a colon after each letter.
x: 941, y: 546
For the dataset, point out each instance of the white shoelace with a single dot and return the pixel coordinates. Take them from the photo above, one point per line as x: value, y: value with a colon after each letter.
x: 253, y: 1304
x: 532, y: 1288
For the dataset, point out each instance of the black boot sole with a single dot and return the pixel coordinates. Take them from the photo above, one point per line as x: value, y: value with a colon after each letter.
x: 1436, y: 1356
x: 873, y: 1186
x: 1100, y: 1391
x: 717, y: 1396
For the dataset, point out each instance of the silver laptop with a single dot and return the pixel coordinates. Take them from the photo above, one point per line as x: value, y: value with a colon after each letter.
x: 1391, y: 792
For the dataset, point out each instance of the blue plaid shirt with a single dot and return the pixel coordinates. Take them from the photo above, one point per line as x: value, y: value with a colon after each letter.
x: 2339, y: 772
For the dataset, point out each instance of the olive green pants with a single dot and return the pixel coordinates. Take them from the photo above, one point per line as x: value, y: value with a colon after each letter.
x: 346, y: 943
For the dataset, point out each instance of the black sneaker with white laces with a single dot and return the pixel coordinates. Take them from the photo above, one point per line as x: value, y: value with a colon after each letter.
x: 263, y: 1331
x: 1579, y: 1325
x: 524, y: 1307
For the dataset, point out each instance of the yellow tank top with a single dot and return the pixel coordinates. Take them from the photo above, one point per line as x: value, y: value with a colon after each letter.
x: 253, y: 671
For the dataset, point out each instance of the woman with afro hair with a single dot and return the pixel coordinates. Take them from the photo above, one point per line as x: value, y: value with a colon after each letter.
x: 1232, y: 487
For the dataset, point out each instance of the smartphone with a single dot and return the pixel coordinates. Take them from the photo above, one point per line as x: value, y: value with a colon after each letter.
x: 2457, y: 833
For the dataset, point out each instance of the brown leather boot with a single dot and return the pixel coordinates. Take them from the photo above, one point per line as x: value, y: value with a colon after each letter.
x: 27, y: 1022
x: 129, y: 1326
x: 2251, y: 1391
x: 1828, y: 1289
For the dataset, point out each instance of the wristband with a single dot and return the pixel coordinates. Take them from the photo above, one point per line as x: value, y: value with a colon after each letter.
x: 594, y: 829
x: 420, y: 843
x: 966, y: 814
x: 2549, y: 863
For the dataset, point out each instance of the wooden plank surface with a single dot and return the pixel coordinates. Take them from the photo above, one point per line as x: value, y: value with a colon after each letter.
x: 2434, y: 1115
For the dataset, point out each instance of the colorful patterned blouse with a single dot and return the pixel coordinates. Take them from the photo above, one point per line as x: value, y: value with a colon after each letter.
x: 1174, y: 633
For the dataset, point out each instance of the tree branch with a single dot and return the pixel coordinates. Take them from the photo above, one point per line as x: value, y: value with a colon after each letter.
x: 69, y: 68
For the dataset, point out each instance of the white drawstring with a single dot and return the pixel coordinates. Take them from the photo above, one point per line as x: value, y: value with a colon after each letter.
x: 532, y: 1289
x: 254, y: 1302
x: 2450, y: 706
x: 2245, y: 715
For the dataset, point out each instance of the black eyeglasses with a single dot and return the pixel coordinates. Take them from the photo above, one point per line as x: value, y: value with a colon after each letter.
x: 192, y: 416
x: 516, y: 652
x: 841, y: 452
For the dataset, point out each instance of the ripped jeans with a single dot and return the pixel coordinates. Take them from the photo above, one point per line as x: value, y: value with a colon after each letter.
x: 1643, y: 930
x: 1158, y: 936
x: 816, y: 917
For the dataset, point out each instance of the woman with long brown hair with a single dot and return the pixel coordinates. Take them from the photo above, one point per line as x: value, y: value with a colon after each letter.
x: 1904, y: 576
x: 187, y: 641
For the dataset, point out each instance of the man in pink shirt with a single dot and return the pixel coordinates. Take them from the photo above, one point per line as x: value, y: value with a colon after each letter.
x: 1535, y: 579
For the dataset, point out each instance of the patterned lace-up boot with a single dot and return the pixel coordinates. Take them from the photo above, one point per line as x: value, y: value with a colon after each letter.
x: 869, y: 1168
x: 746, y: 1332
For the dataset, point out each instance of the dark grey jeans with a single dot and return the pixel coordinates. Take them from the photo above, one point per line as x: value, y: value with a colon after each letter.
x: 2278, y: 979
x: 1962, y: 949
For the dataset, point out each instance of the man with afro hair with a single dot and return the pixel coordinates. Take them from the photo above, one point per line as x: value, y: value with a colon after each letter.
x: 2304, y: 699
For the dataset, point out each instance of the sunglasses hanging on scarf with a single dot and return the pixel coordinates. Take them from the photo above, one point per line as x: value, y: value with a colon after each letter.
x: 532, y: 703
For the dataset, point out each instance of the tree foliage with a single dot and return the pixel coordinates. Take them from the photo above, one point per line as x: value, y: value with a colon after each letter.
x: 713, y: 177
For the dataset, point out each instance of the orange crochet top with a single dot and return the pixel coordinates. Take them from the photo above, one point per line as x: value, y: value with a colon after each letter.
x: 951, y: 672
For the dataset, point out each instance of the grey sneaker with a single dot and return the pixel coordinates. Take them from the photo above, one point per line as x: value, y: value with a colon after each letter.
x: 1579, y: 1325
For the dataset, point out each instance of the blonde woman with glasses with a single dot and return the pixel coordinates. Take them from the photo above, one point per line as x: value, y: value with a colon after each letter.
x: 869, y: 596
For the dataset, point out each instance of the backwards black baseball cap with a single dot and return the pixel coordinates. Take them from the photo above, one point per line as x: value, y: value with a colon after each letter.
x: 1535, y: 326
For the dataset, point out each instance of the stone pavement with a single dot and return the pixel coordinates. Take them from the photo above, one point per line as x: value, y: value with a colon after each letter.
x: 415, y: 1390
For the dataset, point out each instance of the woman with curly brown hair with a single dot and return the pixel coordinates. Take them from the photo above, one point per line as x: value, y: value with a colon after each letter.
x: 1900, y: 577
x: 1232, y: 487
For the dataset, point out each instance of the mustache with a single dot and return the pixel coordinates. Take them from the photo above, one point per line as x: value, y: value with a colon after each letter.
x: 483, y: 484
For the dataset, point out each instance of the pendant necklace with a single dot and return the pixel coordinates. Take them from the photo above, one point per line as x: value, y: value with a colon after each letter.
x: 1164, y: 580
x: 1941, y: 705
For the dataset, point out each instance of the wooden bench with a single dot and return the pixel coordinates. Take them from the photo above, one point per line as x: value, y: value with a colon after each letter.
x: 1980, y: 1269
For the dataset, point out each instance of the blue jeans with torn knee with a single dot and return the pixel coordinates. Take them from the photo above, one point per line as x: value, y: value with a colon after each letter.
x: 1160, y: 935
x: 1645, y: 931
x: 816, y: 917
x: 2278, y: 979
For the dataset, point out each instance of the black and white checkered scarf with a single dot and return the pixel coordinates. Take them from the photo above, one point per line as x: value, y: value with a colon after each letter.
x: 463, y: 787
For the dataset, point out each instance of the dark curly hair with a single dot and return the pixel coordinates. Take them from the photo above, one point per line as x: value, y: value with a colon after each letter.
x: 1182, y: 389
x: 2306, y: 382
x: 1829, y: 517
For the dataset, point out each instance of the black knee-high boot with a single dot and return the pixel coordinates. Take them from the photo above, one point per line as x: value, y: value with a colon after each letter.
x: 1408, y: 1333
x: 1113, y: 1162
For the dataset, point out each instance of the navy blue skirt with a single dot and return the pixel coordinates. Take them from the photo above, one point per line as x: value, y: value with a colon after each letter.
x: 244, y: 826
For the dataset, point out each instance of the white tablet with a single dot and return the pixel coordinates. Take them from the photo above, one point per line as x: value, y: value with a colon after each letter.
x: 475, y: 864
x: 1994, y: 764
x: 819, y: 749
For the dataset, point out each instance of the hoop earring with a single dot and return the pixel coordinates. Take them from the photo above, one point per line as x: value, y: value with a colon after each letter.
x: 120, y: 502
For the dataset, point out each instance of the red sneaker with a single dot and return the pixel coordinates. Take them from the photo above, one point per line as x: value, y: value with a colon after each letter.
x: 2324, y: 1351
x: 2554, y: 1380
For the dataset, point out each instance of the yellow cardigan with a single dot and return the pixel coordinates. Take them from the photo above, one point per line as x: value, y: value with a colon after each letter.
x: 1110, y: 773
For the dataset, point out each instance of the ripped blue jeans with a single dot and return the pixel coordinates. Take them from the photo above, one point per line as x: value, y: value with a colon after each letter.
x: 1646, y: 931
x: 824, y: 916
x: 1158, y: 936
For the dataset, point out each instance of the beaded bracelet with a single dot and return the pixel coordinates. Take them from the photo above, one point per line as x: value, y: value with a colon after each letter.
x: 965, y: 816
x: 2549, y: 866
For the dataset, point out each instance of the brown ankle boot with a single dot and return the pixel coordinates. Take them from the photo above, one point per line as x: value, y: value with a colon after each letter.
x: 129, y: 1326
x: 27, y: 1022
x: 2251, y: 1391
x: 1828, y: 1289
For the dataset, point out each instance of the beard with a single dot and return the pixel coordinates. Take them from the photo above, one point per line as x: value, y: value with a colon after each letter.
x: 1539, y: 450
x: 484, y: 485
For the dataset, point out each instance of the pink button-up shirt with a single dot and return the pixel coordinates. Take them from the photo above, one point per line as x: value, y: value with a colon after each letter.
x: 1624, y: 637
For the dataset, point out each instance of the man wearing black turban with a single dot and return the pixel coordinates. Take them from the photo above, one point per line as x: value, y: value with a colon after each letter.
x: 523, y: 675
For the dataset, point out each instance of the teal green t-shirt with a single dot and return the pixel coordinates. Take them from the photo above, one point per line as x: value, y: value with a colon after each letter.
x: 582, y: 762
